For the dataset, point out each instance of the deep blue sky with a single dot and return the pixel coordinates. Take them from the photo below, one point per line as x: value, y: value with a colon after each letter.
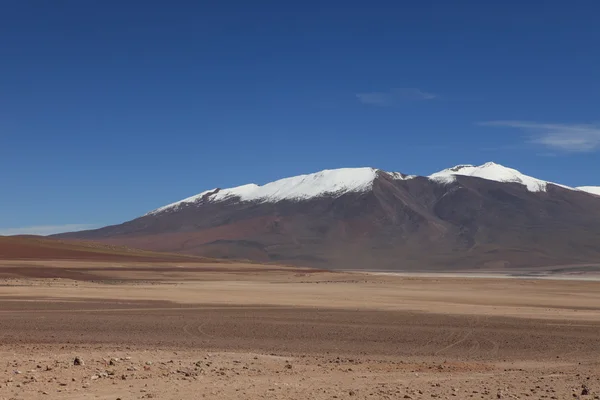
x: 109, y: 108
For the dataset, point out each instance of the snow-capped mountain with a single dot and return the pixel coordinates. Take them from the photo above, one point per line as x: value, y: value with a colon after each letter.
x: 334, y: 183
x: 327, y: 182
x: 466, y: 216
x: 493, y: 172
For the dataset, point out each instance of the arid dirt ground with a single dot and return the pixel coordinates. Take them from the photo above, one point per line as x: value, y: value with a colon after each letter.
x: 244, y: 331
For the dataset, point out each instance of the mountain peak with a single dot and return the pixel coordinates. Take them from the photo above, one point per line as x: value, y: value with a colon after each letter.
x: 326, y: 182
x: 490, y: 171
x: 491, y: 164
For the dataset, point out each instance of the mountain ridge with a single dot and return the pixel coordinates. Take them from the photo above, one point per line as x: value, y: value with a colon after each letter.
x: 343, y: 180
x: 378, y: 220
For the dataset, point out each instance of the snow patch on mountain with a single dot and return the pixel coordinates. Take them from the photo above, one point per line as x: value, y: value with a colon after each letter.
x: 493, y: 172
x: 590, y: 189
x: 327, y: 182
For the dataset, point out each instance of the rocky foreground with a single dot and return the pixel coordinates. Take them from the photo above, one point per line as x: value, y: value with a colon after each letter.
x: 73, y: 372
x: 113, y: 331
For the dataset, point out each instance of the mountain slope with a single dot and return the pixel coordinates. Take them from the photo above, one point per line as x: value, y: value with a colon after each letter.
x: 466, y: 216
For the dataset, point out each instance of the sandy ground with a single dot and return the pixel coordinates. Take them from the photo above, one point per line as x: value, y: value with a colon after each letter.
x: 241, y: 331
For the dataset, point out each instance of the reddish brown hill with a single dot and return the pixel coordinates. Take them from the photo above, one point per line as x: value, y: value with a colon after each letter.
x: 36, y: 247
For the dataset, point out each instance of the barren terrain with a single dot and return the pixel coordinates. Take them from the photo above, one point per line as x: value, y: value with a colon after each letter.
x: 29, y: 247
x: 167, y: 330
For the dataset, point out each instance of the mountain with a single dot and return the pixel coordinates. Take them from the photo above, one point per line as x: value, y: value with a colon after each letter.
x: 486, y: 216
x: 303, y: 187
x: 494, y: 172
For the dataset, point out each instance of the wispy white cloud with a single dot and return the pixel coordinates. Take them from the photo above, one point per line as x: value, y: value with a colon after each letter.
x: 565, y: 137
x: 504, y: 147
x: 45, y: 229
x: 394, y: 97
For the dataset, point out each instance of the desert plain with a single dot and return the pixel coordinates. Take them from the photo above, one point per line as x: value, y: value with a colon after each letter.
x: 123, y: 329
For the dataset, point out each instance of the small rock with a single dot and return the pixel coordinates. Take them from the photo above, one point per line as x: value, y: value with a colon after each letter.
x: 78, y: 361
x: 584, y: 390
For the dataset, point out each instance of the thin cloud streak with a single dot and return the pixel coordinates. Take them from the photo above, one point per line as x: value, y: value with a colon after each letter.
x: 394, y: 97
x: 504, y: 147
x: 44, y: 230
x: 575, y: 138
